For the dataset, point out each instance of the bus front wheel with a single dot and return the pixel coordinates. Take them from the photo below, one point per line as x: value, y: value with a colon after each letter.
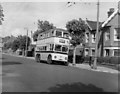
x: 49, y: 59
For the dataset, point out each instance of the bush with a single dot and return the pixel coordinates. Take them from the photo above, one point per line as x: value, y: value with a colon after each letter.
x: 109, y: 60
x: 29, y: 53
x: 20, y: 52
x: 79, y: 59
x: 115, y: 60
x: 106, y: 60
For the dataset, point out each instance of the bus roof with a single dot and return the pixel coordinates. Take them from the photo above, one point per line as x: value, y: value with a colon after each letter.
x: 59, y: 29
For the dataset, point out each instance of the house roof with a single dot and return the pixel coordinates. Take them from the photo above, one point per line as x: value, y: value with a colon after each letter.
x: 110, y: 18
x: 92, y: 24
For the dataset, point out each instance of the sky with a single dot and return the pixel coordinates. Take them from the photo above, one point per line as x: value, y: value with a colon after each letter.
x: 20, y: 16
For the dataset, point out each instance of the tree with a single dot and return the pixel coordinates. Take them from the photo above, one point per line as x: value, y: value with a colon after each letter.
x: 7, y: 45
x: 1, y: 14
x: 15, y: 45
x: 22, y: 40
x: 20, y: 43
x: 77, y: 29
x: 35, y: 35
x: 42, y: 27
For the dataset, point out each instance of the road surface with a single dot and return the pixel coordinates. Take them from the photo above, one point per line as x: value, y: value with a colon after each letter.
x: 25, y: 75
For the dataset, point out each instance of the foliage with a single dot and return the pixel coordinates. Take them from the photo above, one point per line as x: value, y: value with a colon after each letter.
x: 5, y: 39
x: 105, y: 60
x: 76, y: 28
x: 18, y: 43
x: 7, y: 45
x: 42, y: 27
x: 35, y: 35
x: 15, y: 45
x: 79, y: 59
x: 22, y: 41
x: 1, y: 14
x: 110, y: 60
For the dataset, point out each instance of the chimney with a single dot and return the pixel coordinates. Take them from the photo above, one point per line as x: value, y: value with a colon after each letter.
x: 110, y: 12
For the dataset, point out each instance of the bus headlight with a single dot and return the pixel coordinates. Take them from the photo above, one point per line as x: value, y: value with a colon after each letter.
x: 66, y: 58
x: 55, y: 56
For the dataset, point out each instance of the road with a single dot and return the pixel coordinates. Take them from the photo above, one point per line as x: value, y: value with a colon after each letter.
x: 25, y: 75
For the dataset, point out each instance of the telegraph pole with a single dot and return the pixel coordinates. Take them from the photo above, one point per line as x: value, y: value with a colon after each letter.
x: 96, y: 46
x: 26, y: 42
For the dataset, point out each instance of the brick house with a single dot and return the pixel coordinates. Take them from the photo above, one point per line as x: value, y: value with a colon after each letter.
x: 109, y: 36
x: 90, y: 38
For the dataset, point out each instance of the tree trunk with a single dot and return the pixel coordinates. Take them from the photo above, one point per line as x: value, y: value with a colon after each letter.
x: 74, y: 57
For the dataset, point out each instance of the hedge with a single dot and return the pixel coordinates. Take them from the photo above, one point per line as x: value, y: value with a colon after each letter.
x: 79, y: 59
x: 107, y: 60
x: 110, y: 60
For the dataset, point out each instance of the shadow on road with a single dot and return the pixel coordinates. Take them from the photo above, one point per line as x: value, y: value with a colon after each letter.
x: 54, y: 63
x: 10, y: 63
x: 75, y: 87
x: 2, y: 58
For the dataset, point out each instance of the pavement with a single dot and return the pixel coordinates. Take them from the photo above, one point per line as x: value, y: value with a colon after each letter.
x: 82, y: 66
x: 99, y: 68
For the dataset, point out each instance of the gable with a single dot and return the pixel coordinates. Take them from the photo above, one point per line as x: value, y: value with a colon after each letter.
x: 92, y: 24
x: 114, y: 21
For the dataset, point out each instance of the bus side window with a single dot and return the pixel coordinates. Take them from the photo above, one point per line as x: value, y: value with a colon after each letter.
x: 52, y: 46
x: 38, y: 38
x: 48, y: 34
x: 45, y: 36
x: 45, y: 48
x: 41, y: 36
x: 51, y: 33
x: 65, y: 35
x: 58, y: 34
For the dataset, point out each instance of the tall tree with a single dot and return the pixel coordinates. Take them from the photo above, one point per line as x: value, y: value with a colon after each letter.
x: 20, y: 43
x: 1, y: 14
x: 35, y: 35
x: 42, y: 27
x: 15, y: 45
x: 7, y: 45
x: 77, y: 29
x: 22, y: 40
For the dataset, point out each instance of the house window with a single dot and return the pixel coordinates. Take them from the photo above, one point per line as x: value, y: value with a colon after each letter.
x: 93, y: 52
x: 86, y: 52
x: 117, y: 34
x: 87, y: 37
x: 107, y: 36
x: 116, y: 52
x: 107, y: 52
x: 93, y: 37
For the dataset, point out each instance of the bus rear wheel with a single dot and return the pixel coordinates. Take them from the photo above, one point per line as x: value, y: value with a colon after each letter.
x: 49, y: 59
x: 37, y: 58
x: 66, y: 63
